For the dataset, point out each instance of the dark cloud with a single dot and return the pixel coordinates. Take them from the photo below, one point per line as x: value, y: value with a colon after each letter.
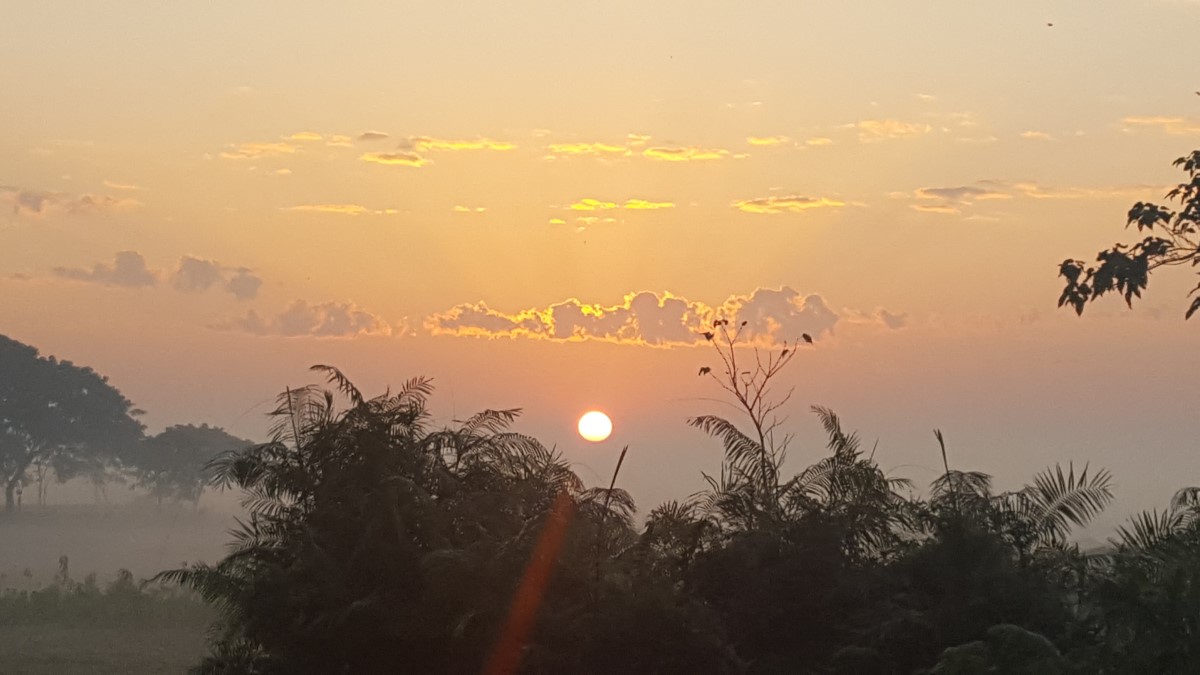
x: 128, y: 269
x: 962, y: 194
x: 372, y: 136
x: 244, y: 284
x: 37, y: 203
x: 304, y: 319
x: 196, y: 274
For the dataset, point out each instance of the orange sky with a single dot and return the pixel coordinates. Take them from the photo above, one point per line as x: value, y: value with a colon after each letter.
x: 538, y: 203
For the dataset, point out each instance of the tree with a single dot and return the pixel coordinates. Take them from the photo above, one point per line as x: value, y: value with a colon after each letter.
x: 55, y: 411
x: 1173, y: 238
x: 172, y: 464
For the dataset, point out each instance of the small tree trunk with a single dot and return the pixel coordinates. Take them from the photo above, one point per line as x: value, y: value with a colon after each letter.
x: 9, y: 496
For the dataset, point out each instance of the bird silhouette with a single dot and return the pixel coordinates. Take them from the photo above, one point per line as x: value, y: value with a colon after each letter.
x: 1049, y: 24
x: 807, y: 337
x: 704, y: 371
x: 783, y: 353
x: 708, y: 335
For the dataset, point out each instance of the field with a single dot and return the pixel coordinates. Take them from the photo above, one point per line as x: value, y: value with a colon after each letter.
x: 49, y: 649
x: 93, y: 620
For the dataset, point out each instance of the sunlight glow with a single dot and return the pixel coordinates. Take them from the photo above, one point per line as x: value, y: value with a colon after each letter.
x: 595, y: 426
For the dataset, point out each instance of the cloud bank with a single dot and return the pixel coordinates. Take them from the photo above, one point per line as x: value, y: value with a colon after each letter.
x: 659, y: 320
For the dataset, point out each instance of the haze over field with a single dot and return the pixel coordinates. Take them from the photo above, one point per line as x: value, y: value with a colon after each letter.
x: 541, y: 205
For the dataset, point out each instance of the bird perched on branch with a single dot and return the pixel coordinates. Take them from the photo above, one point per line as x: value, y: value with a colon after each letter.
x: 807, y: 337
x: 708, y: 334
x: 704, y: 371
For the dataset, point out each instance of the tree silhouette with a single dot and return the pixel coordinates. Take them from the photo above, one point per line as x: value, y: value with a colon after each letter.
x: 58, y: 413
x: 1173, y: 238
x: 172, y: 464
x: 375, y: 543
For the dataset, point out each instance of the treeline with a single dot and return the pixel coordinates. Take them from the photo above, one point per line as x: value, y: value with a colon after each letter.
x: 377, y: 543
x: 60, y: 421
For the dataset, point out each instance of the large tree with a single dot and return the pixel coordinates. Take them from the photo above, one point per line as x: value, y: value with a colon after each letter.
x: 1172, y: 238
x: 57, y: 412
x: 172, y: 464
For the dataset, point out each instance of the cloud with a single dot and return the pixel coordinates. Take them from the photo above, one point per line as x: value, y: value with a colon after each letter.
x: 305, y: 136
x: 259, y: 150
x: 37, y: 203
x: 644, y: 205
x: 935, y: 208
x: 788, y: 204
x: 191, y: 275
x: 767, y: 140
x: 244, y: 284
x: 587, y: 149
x: 1036, y: 136
x: 772, y: 316
x: 303, y: 319
x: 343, y: 209
x: 592, y: 205
x: 684, y: 154
x: 818, y: 141
x: 1038, y: 191
x: 589, y: 204
x: 469, y: 209
x: 880, y: 317
x: 372, y: 136
x: 129, y: 187
x: 426, y: 144
x: 891, y: 319
x: 1177, y: 126
x: 557, y: 221
x: 196, y: 274
x: 127, y: 269
x: 964, y: 194
x: 395, y: 158
x: 340, y: 141
x: 951, y: 200
x: 877, y: 130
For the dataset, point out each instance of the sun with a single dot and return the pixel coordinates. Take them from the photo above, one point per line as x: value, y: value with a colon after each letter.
x: 595, y: 426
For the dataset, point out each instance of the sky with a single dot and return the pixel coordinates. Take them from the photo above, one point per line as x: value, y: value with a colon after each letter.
x: 541, y: 204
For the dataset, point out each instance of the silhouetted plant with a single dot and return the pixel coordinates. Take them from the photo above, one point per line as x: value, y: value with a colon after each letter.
x: 1173, y: 239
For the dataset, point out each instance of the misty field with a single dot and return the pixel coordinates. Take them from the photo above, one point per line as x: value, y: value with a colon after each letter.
x: 89, y: 616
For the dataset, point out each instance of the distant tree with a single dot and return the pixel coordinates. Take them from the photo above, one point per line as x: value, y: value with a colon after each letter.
x: 1173, y: 238
x: 56, y: 411
x: 172, y: 464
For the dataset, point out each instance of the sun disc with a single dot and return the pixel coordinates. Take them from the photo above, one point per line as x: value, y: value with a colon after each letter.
x: 595, y: 426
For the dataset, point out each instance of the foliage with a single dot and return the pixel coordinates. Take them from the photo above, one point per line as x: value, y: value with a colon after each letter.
x: 54, y: 411
x: 1173, y: 238
x: 173, y: 464
x: 376, y: 543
